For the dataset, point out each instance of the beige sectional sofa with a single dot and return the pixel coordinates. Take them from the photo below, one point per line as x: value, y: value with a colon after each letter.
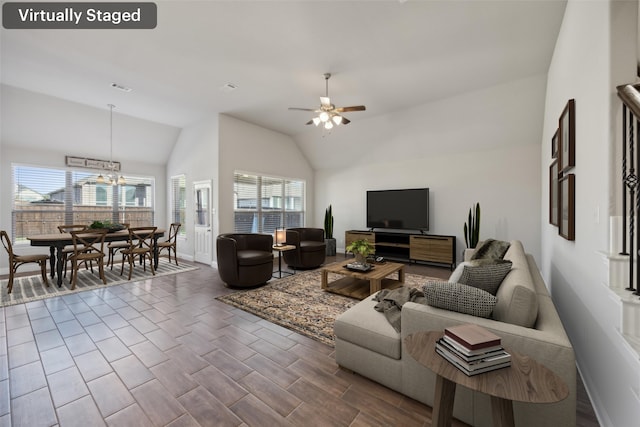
x: 524, y: 317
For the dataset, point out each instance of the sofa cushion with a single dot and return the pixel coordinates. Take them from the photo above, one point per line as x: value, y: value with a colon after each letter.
x: 362, y: 325
x: 487, y: 277
x: 312, y: 245
x: 491, y: 248
x: 252, y: 257
x: 459, y: 298
x: 517, y: 299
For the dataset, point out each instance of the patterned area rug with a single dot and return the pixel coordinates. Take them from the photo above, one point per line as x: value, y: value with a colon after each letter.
x: 31, y: 288
x: 298, y: 303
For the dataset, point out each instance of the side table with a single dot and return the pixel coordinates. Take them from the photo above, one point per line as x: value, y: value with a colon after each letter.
x: 280, y: 249
x: 524, y: 381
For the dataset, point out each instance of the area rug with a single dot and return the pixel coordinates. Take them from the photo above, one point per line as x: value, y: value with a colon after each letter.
x: 298, y: 303
x: 31, y: 288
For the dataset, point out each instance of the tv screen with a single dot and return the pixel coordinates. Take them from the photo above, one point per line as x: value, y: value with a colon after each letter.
x: 398, y: 209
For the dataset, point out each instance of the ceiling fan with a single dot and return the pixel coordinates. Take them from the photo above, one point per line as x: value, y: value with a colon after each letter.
x: 329, y: 114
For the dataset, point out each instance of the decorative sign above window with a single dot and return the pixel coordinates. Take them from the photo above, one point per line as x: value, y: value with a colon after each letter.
x: 83, y: 162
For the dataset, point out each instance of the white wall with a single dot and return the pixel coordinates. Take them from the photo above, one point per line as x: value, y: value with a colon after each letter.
x: 594, y: 53
x: 250, y: 148
x: 39, y: 130
x: 478, y: 147
x: 196, y: 156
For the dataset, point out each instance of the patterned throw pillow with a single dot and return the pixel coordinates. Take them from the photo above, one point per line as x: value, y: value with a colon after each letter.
x: 487, y: 277
x: 460, y: 298
x: 492, y: 249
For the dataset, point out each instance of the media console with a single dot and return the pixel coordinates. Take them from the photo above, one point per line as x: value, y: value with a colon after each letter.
x: 416, y: 247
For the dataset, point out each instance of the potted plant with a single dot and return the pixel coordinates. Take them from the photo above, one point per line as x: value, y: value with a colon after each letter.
x: 328, y: 232
x: 361, y: 249
x: 472, y: 227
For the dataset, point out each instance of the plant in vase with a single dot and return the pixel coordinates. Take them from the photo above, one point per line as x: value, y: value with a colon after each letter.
x: 361, y: 249
x: 328, y: 232
x: 472, y: 227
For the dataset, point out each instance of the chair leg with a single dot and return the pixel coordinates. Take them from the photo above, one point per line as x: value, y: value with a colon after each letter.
x: 101, y: 269
x: 175, y: 255
x: 10, y: 283
x: 130, y: 266
x: 43, y: 269
x: 74, y: 273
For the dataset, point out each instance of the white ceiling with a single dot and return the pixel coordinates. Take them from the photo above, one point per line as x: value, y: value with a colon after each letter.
x: 388, y: 55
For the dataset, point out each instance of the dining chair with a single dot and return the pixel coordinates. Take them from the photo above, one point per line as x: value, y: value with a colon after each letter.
x: 171, y: 243
x: 141, y: 241
x: 16, y: 260
x: 69, y: 249
x: 114, y: 247
x: 88, y: 246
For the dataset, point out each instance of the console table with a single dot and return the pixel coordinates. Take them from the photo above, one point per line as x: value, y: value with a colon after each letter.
x: 429, y: 248
x: 524, y: 381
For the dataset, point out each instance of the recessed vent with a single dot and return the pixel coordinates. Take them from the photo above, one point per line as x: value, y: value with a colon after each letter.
x: 228, y: 87
x: 121, y: 87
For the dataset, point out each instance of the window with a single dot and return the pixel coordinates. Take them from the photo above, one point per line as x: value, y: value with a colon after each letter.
x: 44, y: 198
x: 178, y: 201
x: 263, y: 203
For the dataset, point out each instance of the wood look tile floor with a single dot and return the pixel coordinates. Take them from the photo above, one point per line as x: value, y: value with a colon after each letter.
x: 165, y: 352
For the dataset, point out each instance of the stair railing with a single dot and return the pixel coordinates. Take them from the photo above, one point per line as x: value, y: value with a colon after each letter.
x: 630, y: 97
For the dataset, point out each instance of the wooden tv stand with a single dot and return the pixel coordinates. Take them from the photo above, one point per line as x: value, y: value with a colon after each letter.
x: 416, y: 247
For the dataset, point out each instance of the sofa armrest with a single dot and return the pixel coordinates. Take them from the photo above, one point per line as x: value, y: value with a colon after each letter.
x: 293, y: 238
x: 226, y: 249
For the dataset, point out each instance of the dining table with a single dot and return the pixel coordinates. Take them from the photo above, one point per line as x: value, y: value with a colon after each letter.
x: 57, y: 242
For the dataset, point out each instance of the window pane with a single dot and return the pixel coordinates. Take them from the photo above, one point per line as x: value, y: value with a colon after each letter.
x: 260, y: 203
x: 45, y: 198
x: 178, y: 201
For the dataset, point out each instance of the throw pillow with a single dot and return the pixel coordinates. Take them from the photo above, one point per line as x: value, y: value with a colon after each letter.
x: 460, y: 298
x: 486, y: 276
x: 457, y: 273
x: 492, y: 249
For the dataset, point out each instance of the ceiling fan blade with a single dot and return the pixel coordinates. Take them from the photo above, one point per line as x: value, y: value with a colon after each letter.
x: 325, y: 101
x: 302, y: 109
x: 345, y: 121
x: 354, y: 108
x: 310, y: 122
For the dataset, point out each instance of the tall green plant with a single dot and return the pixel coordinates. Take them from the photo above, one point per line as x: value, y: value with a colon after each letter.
x: 472, y: 227
x: 328, y: 223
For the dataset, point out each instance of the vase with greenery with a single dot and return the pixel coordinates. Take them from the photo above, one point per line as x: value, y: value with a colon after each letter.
x: 472, y: 227
x: 361, y: 249
x: 328, y: 232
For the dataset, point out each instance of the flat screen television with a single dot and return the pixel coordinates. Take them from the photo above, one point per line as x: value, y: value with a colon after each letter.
x: 406, y: 209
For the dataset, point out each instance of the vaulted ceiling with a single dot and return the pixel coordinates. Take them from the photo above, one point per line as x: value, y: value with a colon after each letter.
x: 388, y: 55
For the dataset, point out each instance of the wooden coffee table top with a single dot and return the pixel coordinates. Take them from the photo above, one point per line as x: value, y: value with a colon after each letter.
x: 379, y: 271
x: 524, y: 381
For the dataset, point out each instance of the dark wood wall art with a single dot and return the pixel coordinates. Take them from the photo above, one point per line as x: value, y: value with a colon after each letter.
x: 567, y: 204
x: 553, y: 193
x: 561, y: 183
x: 567, y: 137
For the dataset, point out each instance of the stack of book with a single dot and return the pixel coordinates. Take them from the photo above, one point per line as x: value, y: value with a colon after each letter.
x: 473, y: 349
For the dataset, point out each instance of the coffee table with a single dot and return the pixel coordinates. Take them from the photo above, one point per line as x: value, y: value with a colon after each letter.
x: 358, y: 284
x: 524, y: 381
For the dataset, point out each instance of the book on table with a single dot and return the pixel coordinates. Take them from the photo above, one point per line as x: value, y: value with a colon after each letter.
x: 473, y: 337
x: 493, y: 358
x: 478, y: 353
x: 478, y: 370
x: 473, y: 349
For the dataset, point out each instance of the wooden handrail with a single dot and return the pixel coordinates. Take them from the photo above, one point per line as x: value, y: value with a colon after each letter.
x: 630, y: 96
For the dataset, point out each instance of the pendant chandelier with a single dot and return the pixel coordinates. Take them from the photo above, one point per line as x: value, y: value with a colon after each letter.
x: 112, y: 177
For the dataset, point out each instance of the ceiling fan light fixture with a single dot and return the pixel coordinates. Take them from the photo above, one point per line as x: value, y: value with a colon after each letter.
x: 316, y: 121
x: 337, y: 119
x: 328, y: 125
x: 324, y: 116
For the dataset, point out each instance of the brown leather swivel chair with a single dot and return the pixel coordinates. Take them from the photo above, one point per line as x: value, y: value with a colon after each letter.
x: 245, y: 260
x: 310, y: 248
